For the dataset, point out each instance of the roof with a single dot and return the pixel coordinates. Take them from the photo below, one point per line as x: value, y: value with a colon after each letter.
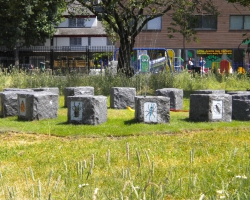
x: 98, y: 31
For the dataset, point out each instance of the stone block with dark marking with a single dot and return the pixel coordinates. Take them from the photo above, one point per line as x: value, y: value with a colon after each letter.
x: 210, y: 107
x: 241, y: 106
x: 87, y: 109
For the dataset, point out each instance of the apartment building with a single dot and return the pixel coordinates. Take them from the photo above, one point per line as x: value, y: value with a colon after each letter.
x: 79, y: 43
x: 220, y: 38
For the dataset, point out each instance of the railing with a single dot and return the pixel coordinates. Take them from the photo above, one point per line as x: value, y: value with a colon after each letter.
x: 110, y: 48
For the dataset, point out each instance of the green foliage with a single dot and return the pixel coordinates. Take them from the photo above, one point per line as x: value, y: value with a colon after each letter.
x: 28, y: 22
x: 242, y: 2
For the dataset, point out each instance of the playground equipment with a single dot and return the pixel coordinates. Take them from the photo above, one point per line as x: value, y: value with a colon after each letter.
x: 152, y: 60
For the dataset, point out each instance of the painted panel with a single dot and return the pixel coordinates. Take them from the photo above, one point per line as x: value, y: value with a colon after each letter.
x: 217, y: 109
x: 150, y: 112
x: 22, y: 106
x: 76, y: 110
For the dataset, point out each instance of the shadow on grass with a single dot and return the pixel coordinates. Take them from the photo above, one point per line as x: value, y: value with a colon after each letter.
x: 63, y: 123
x: 130, y: 122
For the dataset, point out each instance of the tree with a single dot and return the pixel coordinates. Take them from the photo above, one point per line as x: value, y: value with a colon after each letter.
x: 127, y: 18
x: 184, y: 21
x: 28, y: 22
x: 241, y: 2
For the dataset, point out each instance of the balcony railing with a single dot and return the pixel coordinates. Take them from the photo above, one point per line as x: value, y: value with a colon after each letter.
x: 109, y: 48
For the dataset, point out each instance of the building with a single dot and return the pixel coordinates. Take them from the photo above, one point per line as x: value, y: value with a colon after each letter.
x: 219, y: 38
x: 79, y: 43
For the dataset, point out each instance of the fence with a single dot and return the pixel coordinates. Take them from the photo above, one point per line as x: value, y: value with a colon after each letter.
x: 79, y: 58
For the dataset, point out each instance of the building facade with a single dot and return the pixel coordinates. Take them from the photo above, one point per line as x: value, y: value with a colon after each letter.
x: 219, y: 38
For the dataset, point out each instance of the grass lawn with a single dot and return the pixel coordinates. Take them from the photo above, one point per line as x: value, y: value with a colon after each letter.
x: 122, y: 159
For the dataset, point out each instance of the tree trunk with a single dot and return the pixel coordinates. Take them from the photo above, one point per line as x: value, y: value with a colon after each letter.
x: 124, y: 57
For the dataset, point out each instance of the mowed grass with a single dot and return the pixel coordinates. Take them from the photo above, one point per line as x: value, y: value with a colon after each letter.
x: 120, y: 123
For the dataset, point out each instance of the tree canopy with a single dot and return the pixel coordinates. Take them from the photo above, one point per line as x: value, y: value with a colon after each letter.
x: 28, y: 22
x: 241, y: 2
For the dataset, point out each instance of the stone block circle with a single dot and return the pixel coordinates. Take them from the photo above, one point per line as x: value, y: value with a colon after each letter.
x: 205, y: 105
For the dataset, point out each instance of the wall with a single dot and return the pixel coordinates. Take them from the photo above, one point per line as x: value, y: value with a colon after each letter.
x: 220, y: 38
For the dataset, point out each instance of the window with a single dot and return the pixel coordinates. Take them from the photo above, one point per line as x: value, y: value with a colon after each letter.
x: 239, y: 22
x: 75, y: 41
x: 154, y: 24
x: 76, y: 22
x: 89, y: 41
x: 204, y: 22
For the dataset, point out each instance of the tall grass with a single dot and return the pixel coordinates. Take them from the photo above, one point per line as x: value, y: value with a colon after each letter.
x: 208, y: 165
x: 144, y: 83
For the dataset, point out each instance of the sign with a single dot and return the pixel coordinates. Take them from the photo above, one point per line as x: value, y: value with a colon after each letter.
x: 217, y: 110
x: 150, y: 112
x: 22, y: 106
x: 76, y: 110
x: 144, y: 63
x: 214, y: 51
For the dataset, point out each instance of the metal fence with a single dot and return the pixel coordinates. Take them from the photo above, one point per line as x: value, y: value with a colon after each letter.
x: 65, y: 58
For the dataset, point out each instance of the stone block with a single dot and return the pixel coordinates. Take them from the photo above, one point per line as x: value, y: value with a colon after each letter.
x: 152, y: 109
x: 37, y: 105
x: 54, y: 90
x: 121, y: 97
x: 241, y: 106
x: 175, y: 95
x: 73, y: 91
x: 8, y: 102
x: 210, y: 107
x: 238, y: 92
x: 17, y: 89
x: 87, y: 109
x: 209, y: 92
